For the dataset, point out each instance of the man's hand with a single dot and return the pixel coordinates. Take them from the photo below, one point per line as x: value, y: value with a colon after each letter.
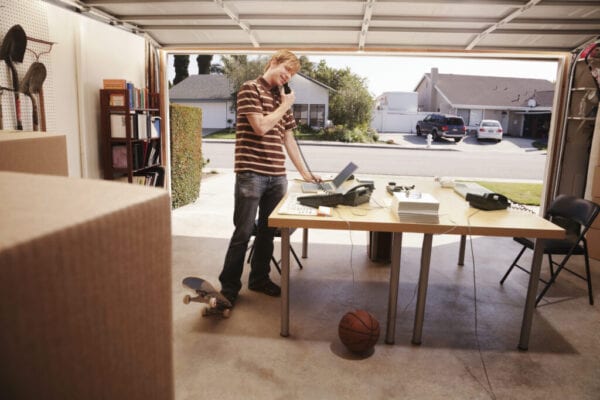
x: 287, y: 100
x: 310, y: 177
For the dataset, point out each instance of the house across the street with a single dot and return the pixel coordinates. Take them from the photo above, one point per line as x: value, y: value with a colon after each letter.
x: 523, y: 106
x: 213, y: 94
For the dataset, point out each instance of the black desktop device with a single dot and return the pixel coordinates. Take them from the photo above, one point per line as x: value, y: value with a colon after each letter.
x: 353, y: 197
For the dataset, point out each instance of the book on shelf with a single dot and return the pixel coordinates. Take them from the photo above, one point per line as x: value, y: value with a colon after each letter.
x: 114, y: 84
x: 151, y: 153
x: 118, y: 123
x: 138, y: 155
x: 142, y: 126
x: 155, y: 127
x: 116, y: 100
x: 119, y: 156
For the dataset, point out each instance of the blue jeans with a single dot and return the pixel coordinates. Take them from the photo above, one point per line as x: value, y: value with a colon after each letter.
x: 252, y: 192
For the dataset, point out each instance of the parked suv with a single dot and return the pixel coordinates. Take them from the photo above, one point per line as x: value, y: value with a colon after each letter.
x: 442, y: 126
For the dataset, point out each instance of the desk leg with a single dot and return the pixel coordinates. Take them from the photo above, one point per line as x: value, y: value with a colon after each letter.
x: 285, y: 282
x: 304, y: 242
x: 534, y: 279
x: 394, y: 283
x: 461, y: 251
x: 422, y: 293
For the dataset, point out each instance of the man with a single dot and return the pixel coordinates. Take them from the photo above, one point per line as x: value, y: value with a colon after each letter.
x: 264, y: 126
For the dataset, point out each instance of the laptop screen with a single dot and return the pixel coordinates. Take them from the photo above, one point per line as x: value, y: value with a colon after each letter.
x: 344, y: 174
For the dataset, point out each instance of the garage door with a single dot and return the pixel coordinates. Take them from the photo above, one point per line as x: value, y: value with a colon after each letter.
x: 214, y: 115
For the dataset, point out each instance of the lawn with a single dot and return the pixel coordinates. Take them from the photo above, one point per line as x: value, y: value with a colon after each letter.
x: 522, y: 193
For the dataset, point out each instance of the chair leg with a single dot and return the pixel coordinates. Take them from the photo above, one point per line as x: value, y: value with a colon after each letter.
x: 513, y: 265
x: 589, y: 278
x: 250, y: 254
x: 551, y: 264
x: 276, y: 264
x: 296, y: 257
x: 552, y: 279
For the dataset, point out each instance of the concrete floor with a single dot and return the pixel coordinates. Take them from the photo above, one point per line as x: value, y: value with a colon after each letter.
x: 470, y: 335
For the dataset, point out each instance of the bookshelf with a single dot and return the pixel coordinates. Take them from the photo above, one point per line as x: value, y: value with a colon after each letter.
x: 131, y: 136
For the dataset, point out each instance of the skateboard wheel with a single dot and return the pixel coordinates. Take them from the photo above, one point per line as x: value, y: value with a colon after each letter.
x: 186, y: 299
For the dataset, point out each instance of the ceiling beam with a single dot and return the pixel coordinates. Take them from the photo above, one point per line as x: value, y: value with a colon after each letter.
x: 516, y: 3
x: 503, y: 21
x: 371, y: 29
x: 245, y: 27
x: 353, y: 18
x: 365, y: 24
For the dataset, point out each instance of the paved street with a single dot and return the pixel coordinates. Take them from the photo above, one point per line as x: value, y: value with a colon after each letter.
x: 409, y: 155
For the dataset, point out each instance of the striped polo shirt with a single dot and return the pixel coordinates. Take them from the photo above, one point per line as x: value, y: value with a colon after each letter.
x: 261, y: 154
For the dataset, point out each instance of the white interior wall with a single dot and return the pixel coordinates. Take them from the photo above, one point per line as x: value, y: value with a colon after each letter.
x: 86, y: 51
x: 101, y: 52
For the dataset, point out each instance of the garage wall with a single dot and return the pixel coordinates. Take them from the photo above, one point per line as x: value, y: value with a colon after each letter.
x: 85, y: 52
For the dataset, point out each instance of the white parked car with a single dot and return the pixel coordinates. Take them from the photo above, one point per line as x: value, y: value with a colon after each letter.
x: 489, y: 129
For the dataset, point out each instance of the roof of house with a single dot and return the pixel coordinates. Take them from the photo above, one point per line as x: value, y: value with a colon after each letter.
x: 213, y: 87
x: 202, y: 87
x: 315, y: 81
x: 493, y: 91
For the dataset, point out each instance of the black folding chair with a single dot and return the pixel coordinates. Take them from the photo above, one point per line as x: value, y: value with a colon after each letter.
x: 575, y: 215
x: 273, y: 259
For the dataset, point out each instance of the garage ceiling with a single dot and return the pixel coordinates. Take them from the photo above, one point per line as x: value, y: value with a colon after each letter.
x: 354, y: 25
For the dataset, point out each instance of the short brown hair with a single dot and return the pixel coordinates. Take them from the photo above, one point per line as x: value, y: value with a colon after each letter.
x: 284, y: 56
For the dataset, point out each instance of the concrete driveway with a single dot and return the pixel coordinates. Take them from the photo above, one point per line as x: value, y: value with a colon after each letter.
x: 508, y: 144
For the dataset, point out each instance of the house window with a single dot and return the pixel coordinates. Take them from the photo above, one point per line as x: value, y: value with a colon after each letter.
x: 301, y: 113
x: 317, y: 115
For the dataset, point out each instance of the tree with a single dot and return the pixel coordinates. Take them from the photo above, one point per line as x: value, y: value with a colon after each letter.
x: 204, y: 64
x: 351, y: 104
x: 239, y: 69
x: 180, y: 62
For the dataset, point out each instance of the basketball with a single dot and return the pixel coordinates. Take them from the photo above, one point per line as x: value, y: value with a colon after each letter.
x: 358, y: 331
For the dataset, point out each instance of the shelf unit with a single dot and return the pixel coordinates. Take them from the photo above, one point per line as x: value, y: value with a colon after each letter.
x: 131, y: 138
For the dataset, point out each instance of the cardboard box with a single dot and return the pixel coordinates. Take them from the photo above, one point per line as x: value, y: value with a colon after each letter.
x: 86, y: 309
x: 593, y: 238
x: 596, y: 183
x: 33, y: 152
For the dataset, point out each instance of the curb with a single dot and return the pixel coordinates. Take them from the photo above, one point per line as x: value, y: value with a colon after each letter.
x: 342, y: 144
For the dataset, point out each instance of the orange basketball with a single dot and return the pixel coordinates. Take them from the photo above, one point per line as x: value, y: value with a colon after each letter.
x: 358, y: 331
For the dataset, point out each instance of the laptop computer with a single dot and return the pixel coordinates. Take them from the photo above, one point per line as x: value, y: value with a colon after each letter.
x: 331, y: 186
x: 462, y: 188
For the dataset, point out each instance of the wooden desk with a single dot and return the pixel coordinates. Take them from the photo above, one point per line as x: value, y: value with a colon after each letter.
x: 456, y: 218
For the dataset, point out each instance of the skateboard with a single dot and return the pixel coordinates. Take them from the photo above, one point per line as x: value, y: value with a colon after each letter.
x: 217, y: 304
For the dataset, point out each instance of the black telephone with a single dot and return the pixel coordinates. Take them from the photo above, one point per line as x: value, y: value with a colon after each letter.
x: 488, y: 201
x: 358, y: 194
x: 286, y: 88
x: 354, y: 196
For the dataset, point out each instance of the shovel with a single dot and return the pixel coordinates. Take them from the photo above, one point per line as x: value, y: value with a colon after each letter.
x: 32, y: 84
x: 1, y: 123
x: 13, y: 50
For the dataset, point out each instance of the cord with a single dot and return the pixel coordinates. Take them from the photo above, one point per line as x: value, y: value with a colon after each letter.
x: 353, y: 300
x: 303, y: 159
x: 489, y: 389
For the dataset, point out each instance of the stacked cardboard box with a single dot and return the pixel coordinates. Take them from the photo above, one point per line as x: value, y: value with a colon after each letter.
x: 35, y: 152
x: 86, y: 289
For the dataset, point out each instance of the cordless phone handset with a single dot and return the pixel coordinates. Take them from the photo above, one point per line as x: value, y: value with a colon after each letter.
x: 286, y: 89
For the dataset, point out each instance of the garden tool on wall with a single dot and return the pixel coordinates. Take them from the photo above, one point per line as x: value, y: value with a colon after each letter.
x: 1, y: 123
x: 13, y: 50
x: 32, y: 84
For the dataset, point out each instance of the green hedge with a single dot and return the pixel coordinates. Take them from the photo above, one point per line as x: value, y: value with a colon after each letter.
x: 186, y: 154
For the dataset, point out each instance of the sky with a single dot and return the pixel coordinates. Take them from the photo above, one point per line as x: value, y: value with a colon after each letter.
x: 402, y: 74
